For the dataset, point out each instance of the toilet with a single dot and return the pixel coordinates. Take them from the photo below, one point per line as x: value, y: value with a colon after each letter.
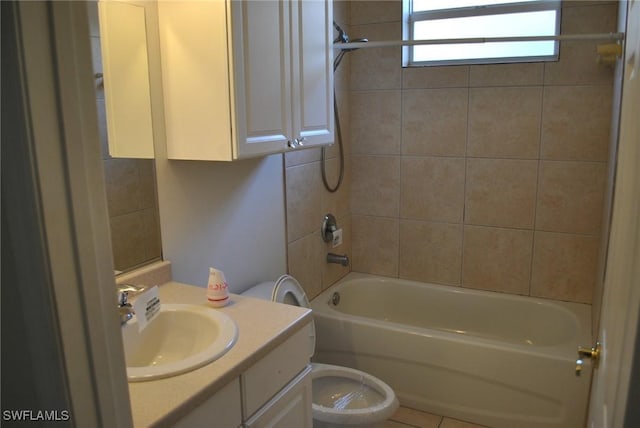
x: 342, y: 397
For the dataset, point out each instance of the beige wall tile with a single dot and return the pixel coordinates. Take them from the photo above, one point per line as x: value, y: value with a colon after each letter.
x: 493, y: 115
x: 305, y: 261
x: 577, y: 64
x: 501, y: 192
x: 435, y: 77
x: 375, y: 122
x: 342, y: 12
x: 127, y: 240
x: 377, y: 68
x: 147, y: 174
x: 375, y: 245
x: 430, y: 252
x: 570, y: 196
x: 342, y: 79
x: 497, y: 259
x: 521, y: 74
x: 432, y: 188
x: 303, y: 200
x: 566, y: 106
x: 504, y: 122
x: 434, y: 121
x: 375, y: 185
x: 368, y: 12
x: 300, y: 157
x: 564, y: 266
x: 152, y: 241
x: 338, y: 203
x: 122, y: 182
x: 597, y: 16
x: 344, y: 120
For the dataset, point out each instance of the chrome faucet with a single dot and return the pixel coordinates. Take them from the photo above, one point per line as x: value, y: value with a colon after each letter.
x: 124, y: 307
x: 338, y: 259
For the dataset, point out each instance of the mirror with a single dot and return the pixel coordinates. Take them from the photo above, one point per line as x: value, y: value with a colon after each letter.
x: 124, y: 118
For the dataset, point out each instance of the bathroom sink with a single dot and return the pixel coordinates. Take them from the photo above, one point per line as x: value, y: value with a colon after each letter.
x: 181, y: 338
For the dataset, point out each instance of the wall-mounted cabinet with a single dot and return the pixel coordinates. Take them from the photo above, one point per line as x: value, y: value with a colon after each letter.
x: 244, y: 79
x: 125, y: 76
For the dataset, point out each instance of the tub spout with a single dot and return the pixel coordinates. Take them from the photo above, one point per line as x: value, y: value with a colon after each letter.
x: 337, y: 258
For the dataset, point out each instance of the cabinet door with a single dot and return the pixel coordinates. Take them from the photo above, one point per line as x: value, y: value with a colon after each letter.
x: 261, y: 57
x: 195, y: 79
x: 126, y: 80
x: 291, y: 407
x: 312, y: 72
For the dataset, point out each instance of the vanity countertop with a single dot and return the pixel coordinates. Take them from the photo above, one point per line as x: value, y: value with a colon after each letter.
x: 262, y: 326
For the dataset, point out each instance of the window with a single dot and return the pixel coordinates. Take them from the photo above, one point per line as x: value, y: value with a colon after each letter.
x: 458, y: 19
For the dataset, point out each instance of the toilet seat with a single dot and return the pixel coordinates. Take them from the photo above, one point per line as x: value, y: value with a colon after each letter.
x: 288, y: 290
x: 384, y: 406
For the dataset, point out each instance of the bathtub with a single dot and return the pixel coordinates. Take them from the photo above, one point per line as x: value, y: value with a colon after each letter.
x: 490, y: 358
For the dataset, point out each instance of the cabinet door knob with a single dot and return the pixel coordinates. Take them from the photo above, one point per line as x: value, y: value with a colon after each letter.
x: 292, y: 143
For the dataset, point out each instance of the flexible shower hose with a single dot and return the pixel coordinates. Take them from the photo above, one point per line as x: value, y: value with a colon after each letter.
x: 323, y: 166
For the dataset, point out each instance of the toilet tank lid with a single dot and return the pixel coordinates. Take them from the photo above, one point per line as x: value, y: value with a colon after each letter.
x: 288, y: 285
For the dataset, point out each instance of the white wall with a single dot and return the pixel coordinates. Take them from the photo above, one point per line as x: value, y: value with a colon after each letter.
x: 225, y: 215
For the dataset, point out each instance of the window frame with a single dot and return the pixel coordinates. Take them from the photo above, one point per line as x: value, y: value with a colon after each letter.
x: 410, y: 17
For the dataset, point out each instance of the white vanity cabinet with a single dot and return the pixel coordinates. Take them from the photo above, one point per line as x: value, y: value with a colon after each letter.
x: 220, y: 410
x: 246, y: 78
x: 274, y: 392
x: 291, y: 407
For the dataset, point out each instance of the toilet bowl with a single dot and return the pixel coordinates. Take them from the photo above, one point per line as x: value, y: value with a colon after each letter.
x: 342, y: 397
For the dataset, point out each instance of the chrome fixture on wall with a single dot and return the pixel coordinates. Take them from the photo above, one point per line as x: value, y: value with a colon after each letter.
x: 338, y: 259
x: 329, y: 225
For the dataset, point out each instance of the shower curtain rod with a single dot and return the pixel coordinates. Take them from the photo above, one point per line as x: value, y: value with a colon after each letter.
x: 562, y: 37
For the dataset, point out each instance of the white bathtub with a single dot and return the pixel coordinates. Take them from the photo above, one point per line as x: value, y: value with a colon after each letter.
x: 490, y: 358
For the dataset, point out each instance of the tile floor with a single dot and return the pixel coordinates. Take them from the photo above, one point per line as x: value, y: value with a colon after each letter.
x: 405, y: 417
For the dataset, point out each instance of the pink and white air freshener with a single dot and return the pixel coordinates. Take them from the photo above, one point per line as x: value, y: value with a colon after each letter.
x: 217, y: 288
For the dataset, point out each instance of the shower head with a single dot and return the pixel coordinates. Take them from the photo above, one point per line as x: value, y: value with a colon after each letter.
x: 338, y: 58
x: 342, y: 37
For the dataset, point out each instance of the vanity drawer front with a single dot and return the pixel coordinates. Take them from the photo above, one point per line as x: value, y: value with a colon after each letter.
x: 269, y: 375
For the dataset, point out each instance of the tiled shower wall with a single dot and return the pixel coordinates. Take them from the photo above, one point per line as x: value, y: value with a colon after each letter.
x: 307, y: 200
x: 487, y: 176
x: 130, y: 185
